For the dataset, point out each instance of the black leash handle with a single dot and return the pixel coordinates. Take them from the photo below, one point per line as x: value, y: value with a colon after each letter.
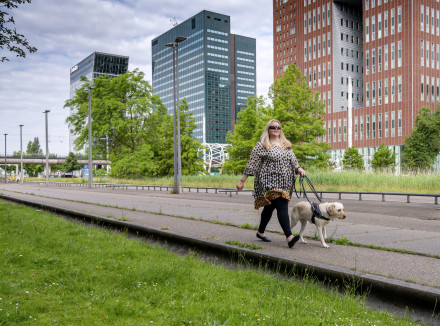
x: 302, y: 189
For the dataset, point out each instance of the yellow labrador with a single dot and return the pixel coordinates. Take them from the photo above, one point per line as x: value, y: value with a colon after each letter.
x: 302, y: 212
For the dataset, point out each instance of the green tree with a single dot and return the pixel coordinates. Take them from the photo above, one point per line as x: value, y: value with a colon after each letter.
x: 423, y: 146
x: 33, y: 148
x: 121, y: 107
x: 71, y: 163
x: 163, y: 143
x: 9, y: 38
x: 247, y: 131
x: 33, y: 169
x: 352, y: 159
x: 300, y: 111
x: 192, y: 161
x: 383, y: 159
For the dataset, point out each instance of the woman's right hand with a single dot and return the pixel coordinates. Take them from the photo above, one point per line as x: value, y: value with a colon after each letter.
x: 240, y: 185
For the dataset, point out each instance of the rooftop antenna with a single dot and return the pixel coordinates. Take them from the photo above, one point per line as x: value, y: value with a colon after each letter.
x: 174, y: 22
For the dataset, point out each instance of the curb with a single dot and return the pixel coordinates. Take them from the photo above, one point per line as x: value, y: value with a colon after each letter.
x: 412, y: 294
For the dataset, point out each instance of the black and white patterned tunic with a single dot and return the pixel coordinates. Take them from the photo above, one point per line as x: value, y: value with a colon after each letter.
x: 274, y: 172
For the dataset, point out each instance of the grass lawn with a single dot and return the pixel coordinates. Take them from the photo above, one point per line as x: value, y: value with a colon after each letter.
x: 54, y: 272
x: 322, y: 180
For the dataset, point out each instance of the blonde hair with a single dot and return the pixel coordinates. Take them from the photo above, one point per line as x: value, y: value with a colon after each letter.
x: 265, y: 140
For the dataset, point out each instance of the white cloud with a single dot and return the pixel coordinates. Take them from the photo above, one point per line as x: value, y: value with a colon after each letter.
x: 65, y: 32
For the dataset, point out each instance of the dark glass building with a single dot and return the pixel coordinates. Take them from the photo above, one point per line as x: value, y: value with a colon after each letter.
x: 217, y: 72
x: 95, y: 65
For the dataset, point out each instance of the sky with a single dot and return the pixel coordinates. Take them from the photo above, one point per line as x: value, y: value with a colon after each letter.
x: 65, y: 32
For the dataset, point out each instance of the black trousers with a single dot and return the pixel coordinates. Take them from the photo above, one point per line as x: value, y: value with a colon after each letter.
x: 282, y: 206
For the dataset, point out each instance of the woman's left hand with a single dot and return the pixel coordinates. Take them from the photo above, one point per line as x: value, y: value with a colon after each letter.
x: 301, y: 172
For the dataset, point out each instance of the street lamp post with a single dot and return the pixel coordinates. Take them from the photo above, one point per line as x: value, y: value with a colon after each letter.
x: 6, y: 174
x: 47, y: 148
x: 21, y: 155
x: 177, y: 153
x: 90, y: 137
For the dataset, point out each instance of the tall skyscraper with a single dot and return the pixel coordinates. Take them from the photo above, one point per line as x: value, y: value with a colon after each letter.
x: 375, y: 63
x: 217, y: 72
x: 95, y: 65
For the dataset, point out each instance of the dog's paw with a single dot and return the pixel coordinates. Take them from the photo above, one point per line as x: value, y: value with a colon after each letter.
x: 325, y: 246
x: 303, y: 241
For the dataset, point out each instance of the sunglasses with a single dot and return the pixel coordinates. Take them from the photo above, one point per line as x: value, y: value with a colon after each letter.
x: 275, y: 127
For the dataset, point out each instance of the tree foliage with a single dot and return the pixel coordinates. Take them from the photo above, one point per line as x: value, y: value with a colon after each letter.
x: 423, y: 146
x: 247, y: 132
x: 9, y: 38
x: 352, y: 159
x: 300, y: 112
x: 130, y: 126
x: 71, y: 163
x: 33, y: 148
x: 383, y: 159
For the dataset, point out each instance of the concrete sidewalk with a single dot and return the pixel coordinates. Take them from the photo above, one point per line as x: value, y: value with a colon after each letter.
x: 411, y: 227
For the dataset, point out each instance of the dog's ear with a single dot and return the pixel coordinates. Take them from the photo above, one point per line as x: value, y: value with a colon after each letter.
x: 331, y: 208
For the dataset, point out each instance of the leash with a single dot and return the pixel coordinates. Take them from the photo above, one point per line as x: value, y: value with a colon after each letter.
x: 302, y: 191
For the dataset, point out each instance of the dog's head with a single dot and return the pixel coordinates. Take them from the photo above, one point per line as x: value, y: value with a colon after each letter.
x: 336, y: 210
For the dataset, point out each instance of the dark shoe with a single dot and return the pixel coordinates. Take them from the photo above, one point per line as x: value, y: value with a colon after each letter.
x: 292, y: 242
x: 265, y: 239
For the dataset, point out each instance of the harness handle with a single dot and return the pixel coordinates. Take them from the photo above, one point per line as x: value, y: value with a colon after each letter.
x: 302, y: 189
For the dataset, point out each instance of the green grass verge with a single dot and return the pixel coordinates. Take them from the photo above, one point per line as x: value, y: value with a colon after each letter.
x: 322, y: 180
x: 60, y: 273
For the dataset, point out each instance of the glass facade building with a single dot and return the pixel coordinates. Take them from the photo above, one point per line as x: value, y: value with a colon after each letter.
x: 95, y: 65
x: 217, y: 72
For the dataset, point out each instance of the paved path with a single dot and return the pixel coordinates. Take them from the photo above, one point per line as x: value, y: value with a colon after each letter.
x: 412, y: 227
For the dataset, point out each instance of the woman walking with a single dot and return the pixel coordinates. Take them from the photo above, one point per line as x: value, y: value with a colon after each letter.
x: 274, y: 165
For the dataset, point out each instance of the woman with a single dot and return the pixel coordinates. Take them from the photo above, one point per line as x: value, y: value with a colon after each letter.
x: 274, y: 165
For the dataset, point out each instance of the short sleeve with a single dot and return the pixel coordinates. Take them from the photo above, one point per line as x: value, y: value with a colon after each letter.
x: 255, y: 160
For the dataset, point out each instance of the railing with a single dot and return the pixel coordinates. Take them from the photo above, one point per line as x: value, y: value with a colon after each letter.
x: 229, y: 191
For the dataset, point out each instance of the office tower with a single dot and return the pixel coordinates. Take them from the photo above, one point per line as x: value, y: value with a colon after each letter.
x: 95, y: 65
x: 216, y: 71
x: 375, y: 63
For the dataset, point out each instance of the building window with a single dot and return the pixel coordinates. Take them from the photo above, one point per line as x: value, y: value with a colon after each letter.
x: 386, y: 56
x: 422, y: 53
x: 399, y: 123
x: 379, y: 59
x: 392, y: 21
x: 399, y: 19
x: 379, y: 125
x: 399, y: 86
x: 367, y: 127
x: 399, y: 53
x: 422, y: 94
x: 367, y: 61
x: 373, y: 61
x: 373, y: 126
x: 386, y: 124
x: 386, y: 91
x: 367, y: 89
x: 393, y: 124
x: 373, y: 28
x: 379, y: 92
x: 355, y: 128
x: 367, y: 30
x: 362, y: 127
x: 373, y: 93
x: 392, y: 55
x: 329, y: 133
x: 379, y: 26
x: 422, y: 25
x: 385, y: 24
x: 345, y: 129
x: 339, y: 130
x: 334, y: 131
x: 427, y: 54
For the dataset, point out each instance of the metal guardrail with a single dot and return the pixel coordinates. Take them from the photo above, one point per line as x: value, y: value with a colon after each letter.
x: 229, y: 191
